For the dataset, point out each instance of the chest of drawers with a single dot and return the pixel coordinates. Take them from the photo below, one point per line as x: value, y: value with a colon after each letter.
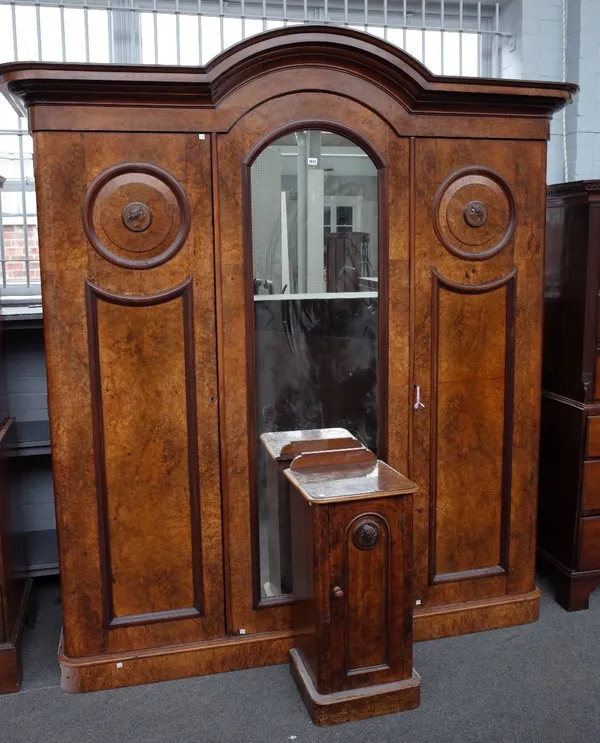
x: 569, y: 505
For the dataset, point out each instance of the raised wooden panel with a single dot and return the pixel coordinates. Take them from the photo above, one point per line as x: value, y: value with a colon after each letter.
x: 593, y: 436
x: 369, y: 622
x: 143, y: 391
x: 367, y: 546
x: 591, y: 486
x: 472, y: 399
x: 589, y: 549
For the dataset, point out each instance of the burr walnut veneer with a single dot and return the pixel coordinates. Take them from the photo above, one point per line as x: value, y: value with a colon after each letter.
x: 143, y: 192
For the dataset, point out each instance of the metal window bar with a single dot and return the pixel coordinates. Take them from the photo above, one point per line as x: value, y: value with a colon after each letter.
x: 152, y: 31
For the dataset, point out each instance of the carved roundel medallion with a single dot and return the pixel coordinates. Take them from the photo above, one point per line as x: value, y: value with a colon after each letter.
x: 474, y: 213
x: 136, y: 215
x: 366, y: 535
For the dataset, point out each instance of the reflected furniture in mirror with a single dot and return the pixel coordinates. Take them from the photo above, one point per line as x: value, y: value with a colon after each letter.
x: 569, y: 499
x: 279, y: 449
x: 352, y: 564
x: 184, y: 218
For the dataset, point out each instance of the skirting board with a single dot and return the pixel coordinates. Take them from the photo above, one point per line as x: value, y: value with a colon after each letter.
x: 131, y: 668
x: 450, y: 620
x: 135, y: 667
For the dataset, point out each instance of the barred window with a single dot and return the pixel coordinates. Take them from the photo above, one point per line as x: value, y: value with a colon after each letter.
x: 450, y: 38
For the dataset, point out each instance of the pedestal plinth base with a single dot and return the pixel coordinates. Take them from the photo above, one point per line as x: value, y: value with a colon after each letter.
x: 357, y: 704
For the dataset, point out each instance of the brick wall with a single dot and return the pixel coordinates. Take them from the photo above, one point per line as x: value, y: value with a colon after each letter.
x: 14, y: 254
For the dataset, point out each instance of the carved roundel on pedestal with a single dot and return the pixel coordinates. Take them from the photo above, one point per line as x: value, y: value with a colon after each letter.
x: 474, y: 213
x: 136, y: 215
x: 366, y: 534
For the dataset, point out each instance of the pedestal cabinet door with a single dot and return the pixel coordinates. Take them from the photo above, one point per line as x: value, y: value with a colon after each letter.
x: 477, y: 363
x: 128, y: 291
x: 308, y: 256
x: 369, y: 613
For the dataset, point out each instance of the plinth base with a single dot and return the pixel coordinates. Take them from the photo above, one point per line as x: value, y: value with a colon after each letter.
x: 357, y: 704
x: 10, y: 652
x: 450, y: 620
x: 133, y: 667
x: 573, y: 588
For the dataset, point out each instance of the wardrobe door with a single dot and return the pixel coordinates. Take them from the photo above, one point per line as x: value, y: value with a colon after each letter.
x: 477, y: 363
x: 127, y: 269
x: 302, y: 348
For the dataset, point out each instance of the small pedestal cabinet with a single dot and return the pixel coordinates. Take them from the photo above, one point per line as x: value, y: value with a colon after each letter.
x: 352, y: 561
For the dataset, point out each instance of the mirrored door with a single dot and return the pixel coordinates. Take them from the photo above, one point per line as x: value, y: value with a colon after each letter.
x: 313, y: 318
x: 315, y: 258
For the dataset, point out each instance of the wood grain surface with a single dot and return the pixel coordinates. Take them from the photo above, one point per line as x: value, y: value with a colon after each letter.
x: 155, y: 443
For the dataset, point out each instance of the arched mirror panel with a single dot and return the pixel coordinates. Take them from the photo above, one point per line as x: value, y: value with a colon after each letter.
x: 315, y: 264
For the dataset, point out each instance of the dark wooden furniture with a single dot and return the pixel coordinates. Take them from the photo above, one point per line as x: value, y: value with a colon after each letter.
x: 569, y: 502
x: 38, y: 553
x: 23, y: 332
x: 280, y: 449
x: 352, y: 566
x: 143, y: 192
x: 14, y: 590
x: 345, y: 260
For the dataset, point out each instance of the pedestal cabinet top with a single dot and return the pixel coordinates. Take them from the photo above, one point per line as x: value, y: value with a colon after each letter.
x: 328, y: 477
x: 298, y: 47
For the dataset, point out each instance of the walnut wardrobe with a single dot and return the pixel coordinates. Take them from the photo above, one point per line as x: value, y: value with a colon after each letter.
x: 191, y: 305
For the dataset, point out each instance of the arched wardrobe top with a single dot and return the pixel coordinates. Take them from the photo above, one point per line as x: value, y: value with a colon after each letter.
x: 304, y: 59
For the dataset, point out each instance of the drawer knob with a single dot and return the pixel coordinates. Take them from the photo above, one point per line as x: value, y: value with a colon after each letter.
x: 338, y: 592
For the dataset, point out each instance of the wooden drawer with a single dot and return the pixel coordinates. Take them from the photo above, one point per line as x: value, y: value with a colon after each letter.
x: 590, y: 498
x: 593, y: 436
x: 589, y: 543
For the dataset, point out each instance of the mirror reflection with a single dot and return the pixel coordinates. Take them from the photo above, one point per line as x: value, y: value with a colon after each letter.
x: 315, y: 267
